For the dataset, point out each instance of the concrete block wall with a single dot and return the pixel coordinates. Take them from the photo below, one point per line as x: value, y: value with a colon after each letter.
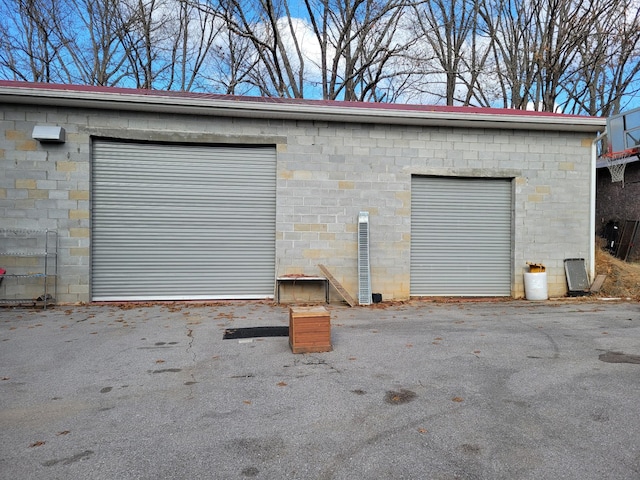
x: 553, y: 208
x: 618, y: 201
x: 46, y: 186
x: 327, y: 173
x: 334, y: 171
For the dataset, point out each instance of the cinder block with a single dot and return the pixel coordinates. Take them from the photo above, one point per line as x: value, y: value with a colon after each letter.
x: 79, y: 195
x: 41, y: 194
x: 26, y: 145
x: 66, y: 166
x: 78, y: 214
x: 79, y: 232
x: 28, y: 183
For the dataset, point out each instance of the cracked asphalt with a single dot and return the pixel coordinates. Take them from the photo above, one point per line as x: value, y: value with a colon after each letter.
x: 417, y: 390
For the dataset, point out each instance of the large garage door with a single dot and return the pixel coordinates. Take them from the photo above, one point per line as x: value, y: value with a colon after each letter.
x: 172, y: 222
x: 460, y: 236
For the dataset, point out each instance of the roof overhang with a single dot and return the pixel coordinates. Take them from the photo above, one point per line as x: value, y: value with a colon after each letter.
x: 265, y: 108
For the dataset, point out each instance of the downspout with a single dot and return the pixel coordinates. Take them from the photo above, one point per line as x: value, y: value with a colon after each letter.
x: 592, y: 221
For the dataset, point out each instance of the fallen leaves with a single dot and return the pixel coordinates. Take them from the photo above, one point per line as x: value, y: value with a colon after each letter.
x: 399, y: 397
x: 457, y: 399
x: 39, y: 443
x: 282, y: 384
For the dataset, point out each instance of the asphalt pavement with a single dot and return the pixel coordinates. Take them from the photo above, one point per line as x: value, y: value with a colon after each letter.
x: 417, y: 390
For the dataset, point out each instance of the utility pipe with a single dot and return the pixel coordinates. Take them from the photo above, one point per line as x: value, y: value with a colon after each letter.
x: 592, y: 199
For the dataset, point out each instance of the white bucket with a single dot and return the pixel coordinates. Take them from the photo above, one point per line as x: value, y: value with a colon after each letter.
x: 535, y: 286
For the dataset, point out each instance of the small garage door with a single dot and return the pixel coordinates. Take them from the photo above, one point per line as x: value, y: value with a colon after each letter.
x: 176, y: 222
x: 460, y: 236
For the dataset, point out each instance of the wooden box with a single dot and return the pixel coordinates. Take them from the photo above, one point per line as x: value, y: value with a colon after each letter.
x: 309, y: 329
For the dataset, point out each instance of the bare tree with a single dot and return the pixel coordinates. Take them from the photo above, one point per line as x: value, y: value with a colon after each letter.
x: 31, y: 48
x: 559, y: 55
x: 562, y: 26
x: 146, y: 39
x: 192, y: 47
x: 609, y: 62
x: 344, y: 49
x: 358, y: 42
x: 576, y: 56
x: 449, y: 26
x: 271, y: 31
x: 510, y: 25
x: 96, y: 58
x: 232, y: 63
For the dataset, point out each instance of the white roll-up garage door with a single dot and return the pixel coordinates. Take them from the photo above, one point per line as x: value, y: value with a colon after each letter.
x: 460, y: 236
x: 177, y: 222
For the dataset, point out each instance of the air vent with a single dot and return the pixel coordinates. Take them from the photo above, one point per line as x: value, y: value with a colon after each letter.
x: 364, y: 272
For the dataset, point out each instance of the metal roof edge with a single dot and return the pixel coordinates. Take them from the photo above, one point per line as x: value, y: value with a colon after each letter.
x: 248, y: 107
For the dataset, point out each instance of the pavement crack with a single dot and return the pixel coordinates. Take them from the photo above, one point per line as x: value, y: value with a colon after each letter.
x: 190, y: 344
x: 311, y: 360
x: 194, y: 357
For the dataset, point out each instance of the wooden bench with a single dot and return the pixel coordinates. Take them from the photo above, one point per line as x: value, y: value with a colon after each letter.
x: 301, y: 278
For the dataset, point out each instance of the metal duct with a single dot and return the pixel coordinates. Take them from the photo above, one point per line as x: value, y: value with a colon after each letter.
x: 364, y: 271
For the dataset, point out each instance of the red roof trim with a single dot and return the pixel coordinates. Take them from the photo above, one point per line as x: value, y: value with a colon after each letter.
x: 284, y: 101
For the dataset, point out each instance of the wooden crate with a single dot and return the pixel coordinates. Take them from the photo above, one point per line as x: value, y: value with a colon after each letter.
x: 309, y: 329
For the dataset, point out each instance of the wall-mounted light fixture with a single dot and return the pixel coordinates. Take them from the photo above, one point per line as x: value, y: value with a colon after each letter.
x: 48, y: 134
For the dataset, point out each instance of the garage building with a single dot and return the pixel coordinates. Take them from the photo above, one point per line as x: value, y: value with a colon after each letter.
x: 176, y: 196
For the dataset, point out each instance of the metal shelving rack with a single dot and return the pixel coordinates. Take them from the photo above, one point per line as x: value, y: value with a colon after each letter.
x: 30, y: 258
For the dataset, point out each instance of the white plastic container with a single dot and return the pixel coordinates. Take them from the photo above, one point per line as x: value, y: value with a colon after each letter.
x: 535, y: 286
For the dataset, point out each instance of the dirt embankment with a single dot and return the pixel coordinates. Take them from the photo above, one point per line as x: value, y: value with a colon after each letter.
x: 623, y: 278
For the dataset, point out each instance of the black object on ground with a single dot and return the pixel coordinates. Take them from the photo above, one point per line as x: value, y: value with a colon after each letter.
x: 252, y: 332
